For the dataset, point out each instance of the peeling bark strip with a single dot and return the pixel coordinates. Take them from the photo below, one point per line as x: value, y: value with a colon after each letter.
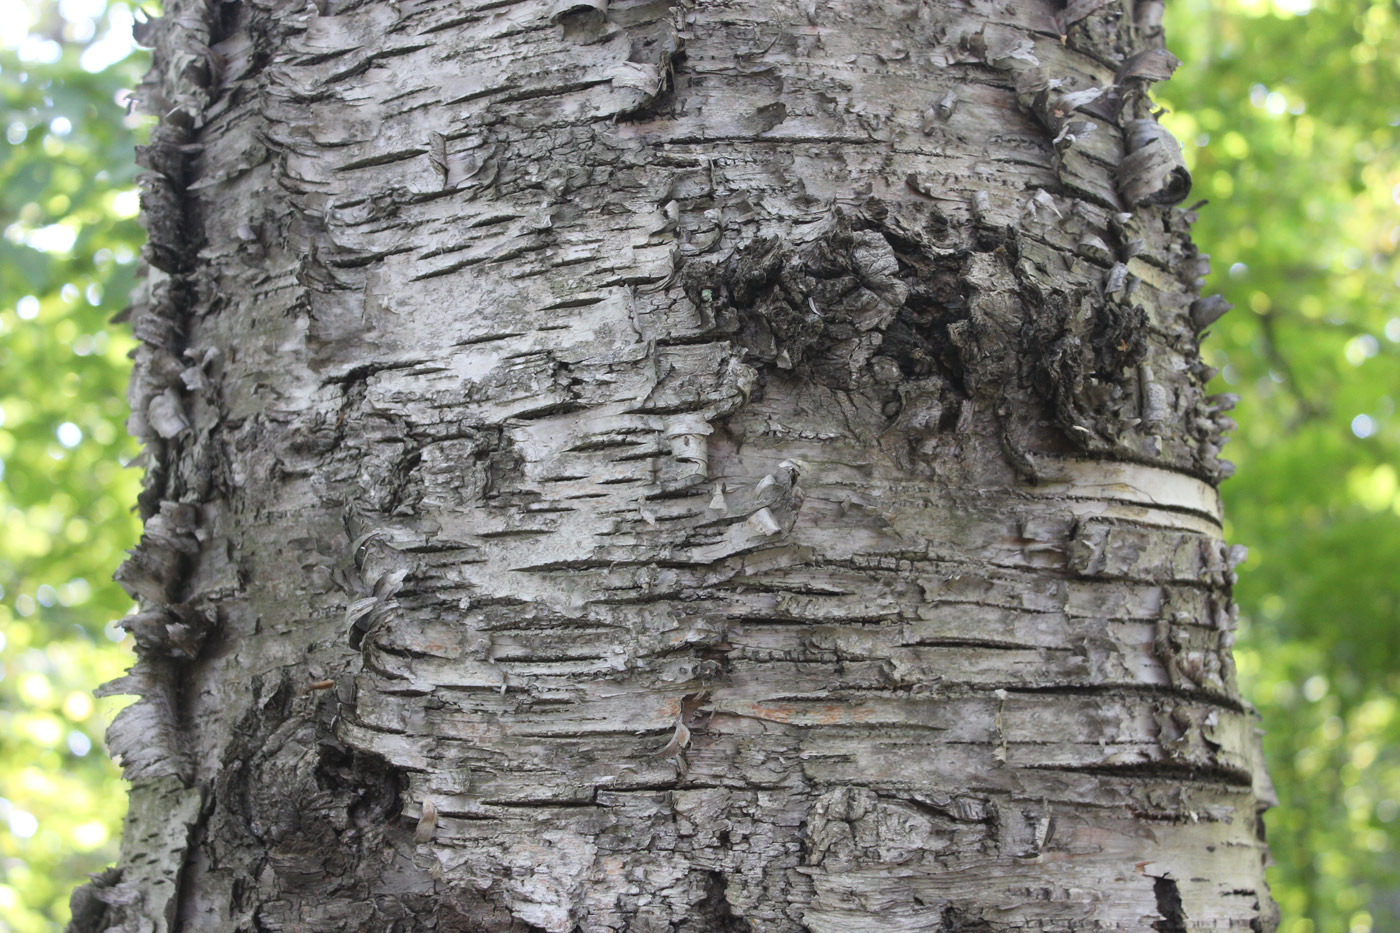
x: 673, y: 465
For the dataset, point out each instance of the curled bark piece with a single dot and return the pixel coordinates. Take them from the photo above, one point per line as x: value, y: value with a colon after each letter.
x: 762, y: 522
x: 1116, y: 280
x: 165, y: 414
x: 717, y: 501
x: 564, y: 8
x: 1206, y: 311
x: 1154, y: 171
x: 939, y: 112
x: 88, y: 904
x: 427, y: 823
x: 144, y: 737
x: 1094, y: 248
x: 176, y: 633
x: 687, y: 436
x: 1149, y: 65
x: 1008, y: 49
x: 1148, y: 16
x: 679, y: 740
x: 1076, y: 10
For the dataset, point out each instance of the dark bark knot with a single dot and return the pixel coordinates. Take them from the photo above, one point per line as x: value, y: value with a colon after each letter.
x: 856, y: 307
x: 881, y: 309
x: 297, y: 788
x: 1076, y: 350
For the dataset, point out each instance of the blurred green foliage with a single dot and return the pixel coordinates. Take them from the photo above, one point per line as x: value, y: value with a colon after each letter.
x: 1289, y: 113
x: 1290, y: 117
x: 67, y: 259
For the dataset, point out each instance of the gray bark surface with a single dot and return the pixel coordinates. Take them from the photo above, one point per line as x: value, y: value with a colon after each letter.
x: 676, y: 466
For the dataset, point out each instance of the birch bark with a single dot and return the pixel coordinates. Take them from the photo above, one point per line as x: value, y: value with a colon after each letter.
x: 676, y: 465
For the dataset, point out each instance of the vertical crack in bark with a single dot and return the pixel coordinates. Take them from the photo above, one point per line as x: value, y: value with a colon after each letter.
x: 715, y: 914
x: 170, y: 384
x: 1169, y: 906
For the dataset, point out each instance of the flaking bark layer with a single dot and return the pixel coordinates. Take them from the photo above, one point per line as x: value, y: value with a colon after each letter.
x: 676, y: 466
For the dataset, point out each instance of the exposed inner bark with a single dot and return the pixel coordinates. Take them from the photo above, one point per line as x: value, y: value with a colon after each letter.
x: 667, y: 466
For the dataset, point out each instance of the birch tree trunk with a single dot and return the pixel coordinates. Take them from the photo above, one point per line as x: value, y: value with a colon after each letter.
x: 676, y: 465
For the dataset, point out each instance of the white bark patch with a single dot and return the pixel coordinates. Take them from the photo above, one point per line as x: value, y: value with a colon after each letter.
x: 549, y: 879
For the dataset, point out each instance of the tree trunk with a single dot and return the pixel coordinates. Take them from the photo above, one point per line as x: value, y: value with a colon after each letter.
x: 676, y: 465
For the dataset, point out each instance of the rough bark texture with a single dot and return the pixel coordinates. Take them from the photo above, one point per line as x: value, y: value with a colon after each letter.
x: 676, y: 466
